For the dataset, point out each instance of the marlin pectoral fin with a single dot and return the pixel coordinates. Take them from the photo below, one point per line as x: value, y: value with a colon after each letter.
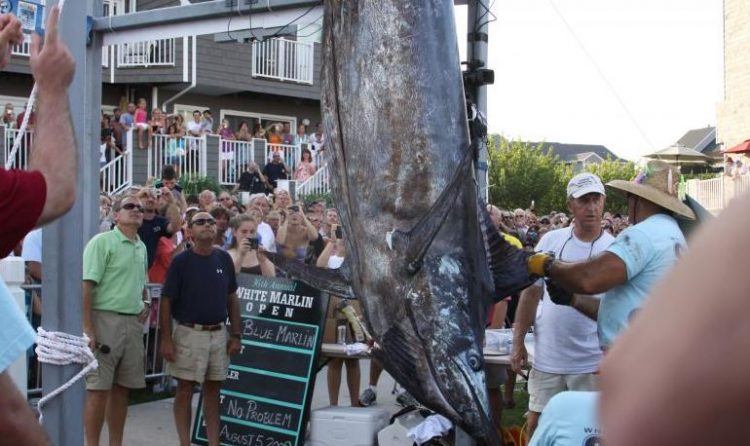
x: 415, y: 243
x: 507, y: 263
x: 333, y: 281
x: 399, y: 344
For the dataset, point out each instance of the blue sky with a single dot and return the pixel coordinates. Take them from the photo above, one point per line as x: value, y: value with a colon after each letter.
x: 633, y: 75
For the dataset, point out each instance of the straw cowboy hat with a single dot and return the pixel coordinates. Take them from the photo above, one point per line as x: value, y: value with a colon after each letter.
x: 657, y: 183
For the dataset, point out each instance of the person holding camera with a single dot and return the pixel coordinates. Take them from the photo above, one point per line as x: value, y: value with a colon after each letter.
x: 244, y: 249
x: 332, y: 257
x: 295, y: 234
x: 199, y: 294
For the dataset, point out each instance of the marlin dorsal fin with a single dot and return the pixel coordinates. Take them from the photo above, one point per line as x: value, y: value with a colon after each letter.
x: 414, y: 244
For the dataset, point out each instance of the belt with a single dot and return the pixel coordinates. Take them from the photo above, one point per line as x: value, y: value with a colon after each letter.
x: 199, y: 327
x: 128, y: 314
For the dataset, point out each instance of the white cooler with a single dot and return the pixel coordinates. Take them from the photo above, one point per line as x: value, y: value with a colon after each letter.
x: 346, y: 426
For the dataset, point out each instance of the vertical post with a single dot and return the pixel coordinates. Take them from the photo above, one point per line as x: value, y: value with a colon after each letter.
x: 478, y: 28
x: 64, y: 239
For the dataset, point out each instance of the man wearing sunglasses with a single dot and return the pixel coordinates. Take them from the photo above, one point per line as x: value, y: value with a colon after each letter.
x: 199, y: 294
x: 115, y: 305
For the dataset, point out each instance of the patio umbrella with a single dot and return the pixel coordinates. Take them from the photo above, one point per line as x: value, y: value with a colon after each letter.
x: 678, y: 154
x: 743, y: 147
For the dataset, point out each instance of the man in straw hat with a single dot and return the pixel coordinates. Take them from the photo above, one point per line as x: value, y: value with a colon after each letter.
x: 627, y: 269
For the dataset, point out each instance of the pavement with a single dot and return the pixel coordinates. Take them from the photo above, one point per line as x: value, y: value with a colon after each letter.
x: 151, y: 424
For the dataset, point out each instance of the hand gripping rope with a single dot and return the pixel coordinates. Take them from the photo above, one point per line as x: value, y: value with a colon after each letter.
x: 55, y: 347
x: 62, y: 349
x: 29, y: 107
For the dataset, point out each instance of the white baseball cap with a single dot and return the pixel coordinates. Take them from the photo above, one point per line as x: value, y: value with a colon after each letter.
x: 585, y: 183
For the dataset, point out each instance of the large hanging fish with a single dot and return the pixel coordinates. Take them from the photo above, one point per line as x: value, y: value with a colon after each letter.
x: 422, y: 255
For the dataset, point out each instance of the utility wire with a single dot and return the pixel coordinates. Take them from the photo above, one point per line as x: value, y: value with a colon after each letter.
x: 609, y: 84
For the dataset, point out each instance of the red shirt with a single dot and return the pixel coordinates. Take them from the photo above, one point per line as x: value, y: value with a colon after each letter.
x: 22, y: 197
x: 164, y: 250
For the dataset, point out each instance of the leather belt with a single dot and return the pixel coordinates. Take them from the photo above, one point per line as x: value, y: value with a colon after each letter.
x: 199, y: 327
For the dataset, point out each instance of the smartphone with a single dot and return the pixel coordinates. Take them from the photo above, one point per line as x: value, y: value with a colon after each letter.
x: 253, y: 242
x: 339, y: 232
x: 30, y: 13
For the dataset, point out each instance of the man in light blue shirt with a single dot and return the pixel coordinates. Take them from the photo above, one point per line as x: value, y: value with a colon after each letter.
x: 630, y: 267
x: 570, y: 418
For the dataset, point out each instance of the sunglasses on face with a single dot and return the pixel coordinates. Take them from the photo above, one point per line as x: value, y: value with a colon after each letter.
x: 204, y: 221
x: 132, y: 206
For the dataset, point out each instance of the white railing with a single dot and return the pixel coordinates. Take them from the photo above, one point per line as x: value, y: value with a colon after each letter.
x: 187, y: 154
x: 234, y: 155
x: 116, y: 175
x: 23, y: 49
x: 284, y: 60
x: 149, y: 53
x: 21, y: 158
x: 316, y: 184
x: 716, y: 193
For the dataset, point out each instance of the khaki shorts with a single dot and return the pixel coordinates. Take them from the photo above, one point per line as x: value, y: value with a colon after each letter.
x: 123, y: 365
x: 543, y: 386
x: 199, y: 355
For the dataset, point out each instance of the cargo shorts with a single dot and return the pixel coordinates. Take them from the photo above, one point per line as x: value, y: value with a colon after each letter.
x: 199, y: 355
x: 124, y: 364
x: 543, y: 386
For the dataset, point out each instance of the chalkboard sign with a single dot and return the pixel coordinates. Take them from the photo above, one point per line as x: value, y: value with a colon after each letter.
x: 266, y: 397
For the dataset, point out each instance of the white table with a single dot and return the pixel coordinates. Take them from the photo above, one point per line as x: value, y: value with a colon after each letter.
x: 339, y: 351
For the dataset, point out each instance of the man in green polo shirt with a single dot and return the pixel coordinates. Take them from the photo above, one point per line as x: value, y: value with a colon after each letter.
x: 115, y: 305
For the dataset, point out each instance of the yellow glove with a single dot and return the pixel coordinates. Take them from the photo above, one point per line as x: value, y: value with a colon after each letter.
x: 535, y: 264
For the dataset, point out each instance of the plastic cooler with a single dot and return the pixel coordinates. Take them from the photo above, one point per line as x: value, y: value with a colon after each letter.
x: 346, y: 426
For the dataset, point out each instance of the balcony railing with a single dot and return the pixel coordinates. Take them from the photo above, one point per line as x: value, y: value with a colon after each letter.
x: 284, y: 60
x: 149, y: 53
x: 235, y: 155
x: 187, y: 154
x: 21, y: 158
x: 316, y: 184
x: 24, y: 49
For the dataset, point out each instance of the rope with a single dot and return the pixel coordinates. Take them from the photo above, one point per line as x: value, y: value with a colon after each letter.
x: 62, y: 349
x: 27, y: 114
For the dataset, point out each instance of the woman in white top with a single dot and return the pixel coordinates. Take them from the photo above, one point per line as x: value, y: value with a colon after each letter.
x: 332, y: 257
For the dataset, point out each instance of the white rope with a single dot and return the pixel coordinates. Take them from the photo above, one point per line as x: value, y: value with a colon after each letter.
x: 27, y: 114
x: 62, y: 349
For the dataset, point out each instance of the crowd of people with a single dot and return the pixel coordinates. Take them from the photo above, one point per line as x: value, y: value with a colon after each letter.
x: 734, y: 167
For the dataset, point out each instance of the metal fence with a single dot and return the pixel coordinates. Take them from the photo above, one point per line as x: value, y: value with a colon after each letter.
x: 284, y: 60
x: 21, y: 159
x: 187, y: 154
x: 153, y: 361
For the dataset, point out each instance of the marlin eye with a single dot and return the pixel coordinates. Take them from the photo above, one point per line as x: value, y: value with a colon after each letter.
x: 475, y: 362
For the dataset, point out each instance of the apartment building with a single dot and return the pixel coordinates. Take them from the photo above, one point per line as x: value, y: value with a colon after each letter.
x: 254, y: 75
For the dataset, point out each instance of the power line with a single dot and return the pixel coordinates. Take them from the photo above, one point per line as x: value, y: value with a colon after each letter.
x: 609, y: 84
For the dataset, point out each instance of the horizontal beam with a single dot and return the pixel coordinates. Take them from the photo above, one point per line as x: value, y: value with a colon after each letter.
x: 204, y: 18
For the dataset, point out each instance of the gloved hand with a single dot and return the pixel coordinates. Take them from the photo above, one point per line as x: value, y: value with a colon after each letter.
x: 558, y: 294
x: 536, y: 263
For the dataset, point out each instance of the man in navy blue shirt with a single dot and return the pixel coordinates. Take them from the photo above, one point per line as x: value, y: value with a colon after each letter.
x: 199, y: 293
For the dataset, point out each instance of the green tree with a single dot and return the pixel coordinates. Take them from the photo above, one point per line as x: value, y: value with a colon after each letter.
x: 610, y: 170
x: 521, y: 172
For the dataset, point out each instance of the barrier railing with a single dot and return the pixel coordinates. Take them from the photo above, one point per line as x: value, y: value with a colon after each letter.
x: 153, y: 361
x: 116, y: 175
x: 149, y: 53
x: 316, y: 184
x: 715, y: 194
x: 21, y: 158
x: 284, y: 60
x: 187, y: 154
x: 234, y: 155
